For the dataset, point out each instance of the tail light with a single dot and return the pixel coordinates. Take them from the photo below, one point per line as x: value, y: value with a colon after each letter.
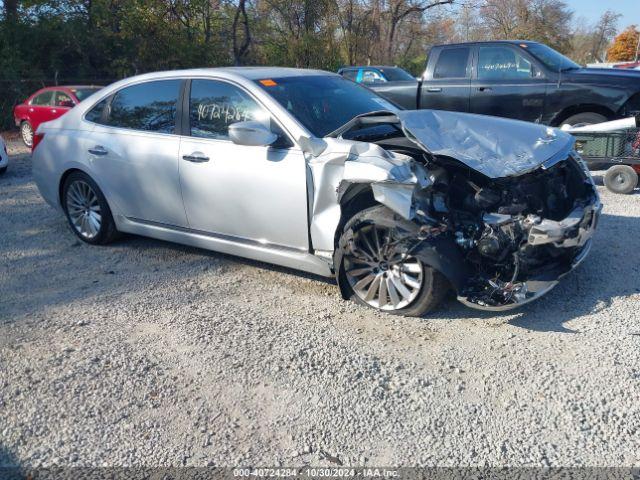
x: 37, y: 138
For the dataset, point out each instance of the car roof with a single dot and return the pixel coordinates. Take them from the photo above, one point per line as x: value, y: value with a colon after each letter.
x: 369, y: 66
x: 228, y: 73
x: 257, y: 73
x: 507, y: 42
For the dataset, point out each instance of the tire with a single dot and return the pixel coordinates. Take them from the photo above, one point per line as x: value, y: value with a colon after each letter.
x: 87, y: 211
x: 582, y: 119
x: 26, y: 132
x: 621, y: 179
x: 424, y: 293
x: 3, y: 170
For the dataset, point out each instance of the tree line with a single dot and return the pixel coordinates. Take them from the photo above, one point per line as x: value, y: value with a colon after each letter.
x: 98, y: 41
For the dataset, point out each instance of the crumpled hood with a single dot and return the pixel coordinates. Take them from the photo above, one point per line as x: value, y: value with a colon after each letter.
x: 495, y: 147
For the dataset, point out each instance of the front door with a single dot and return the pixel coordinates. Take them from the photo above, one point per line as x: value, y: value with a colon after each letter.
x: 246, y: 193
x: 507, y: 84
x: 62, y: 103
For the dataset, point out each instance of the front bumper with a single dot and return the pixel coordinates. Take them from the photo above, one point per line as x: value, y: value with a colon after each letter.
x: 575, y: 231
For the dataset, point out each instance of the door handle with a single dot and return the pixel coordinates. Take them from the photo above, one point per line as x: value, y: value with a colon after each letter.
x: 196, y: 157
x: 434, y: 89
x: 54, y: 111
x: 98, y: 150
x: 484, y: 89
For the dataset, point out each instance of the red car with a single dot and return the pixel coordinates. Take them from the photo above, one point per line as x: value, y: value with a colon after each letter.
x: 45, y: 105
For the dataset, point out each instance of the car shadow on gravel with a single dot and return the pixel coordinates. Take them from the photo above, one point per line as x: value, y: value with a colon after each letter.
x: 612, y: 270
x: 10, y: 468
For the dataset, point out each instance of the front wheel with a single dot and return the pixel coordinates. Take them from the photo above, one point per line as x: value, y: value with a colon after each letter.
x: 87, y: 210
x: 3, y: 170
x: 26, y: 132
x: 379, y: 272
x: 584, y: 119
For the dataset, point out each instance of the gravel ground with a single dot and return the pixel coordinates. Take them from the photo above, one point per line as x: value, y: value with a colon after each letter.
x: 149, y: 353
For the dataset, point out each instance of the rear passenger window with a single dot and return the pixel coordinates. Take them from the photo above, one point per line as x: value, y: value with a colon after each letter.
x: 43, y: 99
x: 95, y: 114
x: 150, y: 107
x: 452, y: 63
x: 350, y: 74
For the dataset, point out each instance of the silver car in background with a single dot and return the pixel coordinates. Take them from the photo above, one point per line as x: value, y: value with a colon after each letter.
x: 307, y: 170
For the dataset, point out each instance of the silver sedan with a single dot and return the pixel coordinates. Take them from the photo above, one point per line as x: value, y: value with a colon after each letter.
x: 308, y: 170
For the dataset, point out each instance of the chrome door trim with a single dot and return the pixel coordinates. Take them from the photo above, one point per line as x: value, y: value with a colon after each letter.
x: 220, y: 236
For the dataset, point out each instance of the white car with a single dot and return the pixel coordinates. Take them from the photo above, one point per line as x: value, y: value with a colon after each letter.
x: 4, y: 156
x: 311, y: 171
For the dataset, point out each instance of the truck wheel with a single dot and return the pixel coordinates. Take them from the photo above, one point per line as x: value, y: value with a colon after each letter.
x: 380, y: 277
x: 621, y: 179
x: 582, y: 119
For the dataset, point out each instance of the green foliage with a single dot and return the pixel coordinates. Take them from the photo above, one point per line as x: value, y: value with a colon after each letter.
x: 44, y: 42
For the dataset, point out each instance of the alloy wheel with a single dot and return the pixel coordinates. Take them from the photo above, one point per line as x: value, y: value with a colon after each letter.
x: 27, y: 134
x: 83, y: 209
x: 379, y: 274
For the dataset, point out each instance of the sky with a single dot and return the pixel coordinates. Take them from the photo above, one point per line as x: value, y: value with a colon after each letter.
x: 591, y: 10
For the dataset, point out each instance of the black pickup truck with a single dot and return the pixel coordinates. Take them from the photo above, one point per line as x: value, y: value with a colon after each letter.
x: 516, y: 79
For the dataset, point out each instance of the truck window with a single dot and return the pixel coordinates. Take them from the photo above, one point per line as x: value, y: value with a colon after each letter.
x: 452, y: 63
x: 502, y: 63
x: 371, y: 76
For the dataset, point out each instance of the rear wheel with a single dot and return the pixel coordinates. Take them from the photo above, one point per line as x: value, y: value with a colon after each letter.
x: 26, y: 132
x: 583, y: 119
x: 87, y: 210
x: 621, y: 179
x: 380, y: 275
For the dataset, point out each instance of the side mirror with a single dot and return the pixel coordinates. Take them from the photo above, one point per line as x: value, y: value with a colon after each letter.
x: 252, y: 134
x: 67, y: 104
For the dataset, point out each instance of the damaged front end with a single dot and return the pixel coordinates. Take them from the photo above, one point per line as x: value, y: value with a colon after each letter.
x: 502, y: 209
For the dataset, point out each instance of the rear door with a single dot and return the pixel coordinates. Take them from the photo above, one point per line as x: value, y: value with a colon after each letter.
x: 134, y: 151
x: 507, y: 83
x: 447, y: 83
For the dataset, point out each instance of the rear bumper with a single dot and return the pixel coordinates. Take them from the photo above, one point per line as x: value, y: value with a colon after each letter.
x: 574, y: 232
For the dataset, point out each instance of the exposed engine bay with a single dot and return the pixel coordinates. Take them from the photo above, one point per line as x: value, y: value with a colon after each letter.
x: 500, y: 242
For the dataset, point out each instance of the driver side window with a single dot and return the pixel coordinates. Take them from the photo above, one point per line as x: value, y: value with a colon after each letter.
x: 63, y: 100
x: 215, y: 105
x: 503, y: 63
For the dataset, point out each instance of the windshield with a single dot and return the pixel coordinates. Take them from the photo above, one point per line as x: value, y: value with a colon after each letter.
x: 396, y: 74
x: 550, y: 58
x: 82, y: 93
x: 322, y: 103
